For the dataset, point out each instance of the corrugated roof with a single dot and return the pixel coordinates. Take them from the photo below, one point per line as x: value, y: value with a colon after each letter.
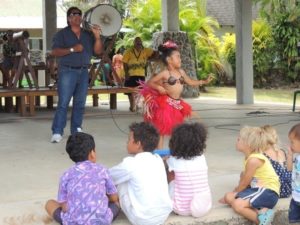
x: 224, y: 12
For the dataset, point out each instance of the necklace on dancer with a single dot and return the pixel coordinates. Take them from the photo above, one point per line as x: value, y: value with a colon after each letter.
x: 137, y: 56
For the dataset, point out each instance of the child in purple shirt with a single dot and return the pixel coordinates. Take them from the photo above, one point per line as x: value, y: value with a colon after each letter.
x: 86, y: 193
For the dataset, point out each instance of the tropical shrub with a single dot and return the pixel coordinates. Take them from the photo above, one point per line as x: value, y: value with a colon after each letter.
x: 287, y: 33
x: 284, y: 18
x: 263, y: 45
x: 144, y: 19
x: 200, y: 29
x: 208, y: 57
x: 227, y: 52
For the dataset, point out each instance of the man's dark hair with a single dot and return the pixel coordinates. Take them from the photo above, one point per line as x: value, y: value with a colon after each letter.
x: 188, y: 140
x: 79, y: 145
x: 146, y: 134
x: 70, y: 10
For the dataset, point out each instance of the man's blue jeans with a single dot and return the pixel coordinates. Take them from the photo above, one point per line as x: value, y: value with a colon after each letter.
x: 71, y: 83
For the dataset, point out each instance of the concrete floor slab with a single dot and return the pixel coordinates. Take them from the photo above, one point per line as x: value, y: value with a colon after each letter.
x: 30, y: 165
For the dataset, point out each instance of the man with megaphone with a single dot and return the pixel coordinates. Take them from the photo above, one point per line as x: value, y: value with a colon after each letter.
x: 74, y: 46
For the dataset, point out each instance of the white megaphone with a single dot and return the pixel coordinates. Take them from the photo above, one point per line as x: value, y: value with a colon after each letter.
x: 105, y: 16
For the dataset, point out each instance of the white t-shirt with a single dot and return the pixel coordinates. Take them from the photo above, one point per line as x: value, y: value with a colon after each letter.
x: 190, y: 179
x: 145, y: 176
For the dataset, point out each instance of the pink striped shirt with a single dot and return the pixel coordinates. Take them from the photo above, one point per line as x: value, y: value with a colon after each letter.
x: 190, y: 179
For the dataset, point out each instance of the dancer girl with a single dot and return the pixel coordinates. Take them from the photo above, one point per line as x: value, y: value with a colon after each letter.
x: 163, y: 106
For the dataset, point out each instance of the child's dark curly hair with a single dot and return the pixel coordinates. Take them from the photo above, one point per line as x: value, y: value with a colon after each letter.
x: 188, y: 140
x: 79, y: 145
x: 146, y: 134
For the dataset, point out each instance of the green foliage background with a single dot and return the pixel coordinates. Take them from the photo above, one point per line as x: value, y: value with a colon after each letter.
x: 275, y: 36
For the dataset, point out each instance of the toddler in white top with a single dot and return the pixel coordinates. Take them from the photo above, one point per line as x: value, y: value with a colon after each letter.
x: 187, y: 170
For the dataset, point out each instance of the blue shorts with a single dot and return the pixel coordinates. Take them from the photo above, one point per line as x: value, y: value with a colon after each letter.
x: 259, y: 197
x: 57, y: 215
x: 113, y: 207
x: 294, y: 211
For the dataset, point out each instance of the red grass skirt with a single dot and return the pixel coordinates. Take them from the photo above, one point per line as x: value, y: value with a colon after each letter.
x: 163, y: 111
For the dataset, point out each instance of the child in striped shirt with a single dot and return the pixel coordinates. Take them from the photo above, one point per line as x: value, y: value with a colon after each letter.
x: 187, y: 166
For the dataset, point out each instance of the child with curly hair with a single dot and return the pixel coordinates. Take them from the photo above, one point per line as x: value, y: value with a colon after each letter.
x: 163, y: 106
x: 187, y: 168
x: 258, y: 189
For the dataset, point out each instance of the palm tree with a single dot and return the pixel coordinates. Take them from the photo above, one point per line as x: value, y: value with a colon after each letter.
x: 200, y: 28
x: 144, y: 20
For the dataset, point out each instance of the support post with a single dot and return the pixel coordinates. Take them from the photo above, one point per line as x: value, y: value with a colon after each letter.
x: 49, y: 24
x: 244, y: 55
x: 170, y: 15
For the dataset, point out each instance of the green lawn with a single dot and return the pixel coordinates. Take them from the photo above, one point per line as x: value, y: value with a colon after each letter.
x: 266, y: 95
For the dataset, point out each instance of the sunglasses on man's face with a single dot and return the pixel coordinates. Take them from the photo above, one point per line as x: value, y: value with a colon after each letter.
x: 75, y: 14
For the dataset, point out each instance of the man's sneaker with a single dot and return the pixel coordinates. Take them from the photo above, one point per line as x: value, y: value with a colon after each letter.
x: 56, y: 138
x: 79, y: 129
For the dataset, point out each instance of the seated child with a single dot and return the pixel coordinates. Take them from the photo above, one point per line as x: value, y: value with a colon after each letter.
x: 294, y: 155
x: 86, y: 193
x: 189, y: 190
x: 255, y: 203
x: 278, y: 159
x: 141, y: 179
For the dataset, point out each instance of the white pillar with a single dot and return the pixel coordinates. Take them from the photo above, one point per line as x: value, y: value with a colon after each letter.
x: 49, y: 29
x: 170, y: 15
x: 244, y: 55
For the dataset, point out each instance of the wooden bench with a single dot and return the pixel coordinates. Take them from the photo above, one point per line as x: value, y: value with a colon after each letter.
x: 112, y: 91
x: 20, y: 98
